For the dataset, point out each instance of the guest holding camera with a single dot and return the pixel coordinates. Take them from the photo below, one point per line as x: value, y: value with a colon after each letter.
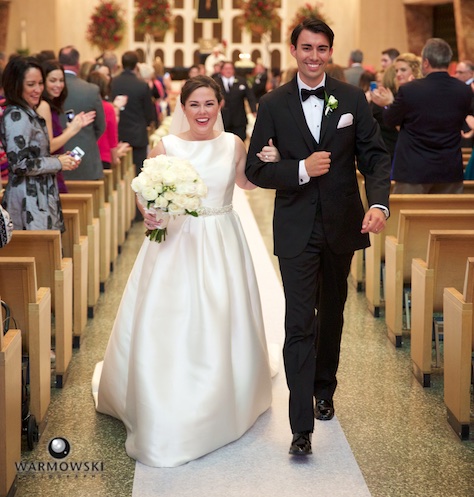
x: 31, y: 195
x: 52, y: 106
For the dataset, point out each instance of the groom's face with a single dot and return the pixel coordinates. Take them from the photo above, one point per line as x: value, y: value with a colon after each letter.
x: 312, y: 54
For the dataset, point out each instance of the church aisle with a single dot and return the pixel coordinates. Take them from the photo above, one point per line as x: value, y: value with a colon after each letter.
x: 397, y: 431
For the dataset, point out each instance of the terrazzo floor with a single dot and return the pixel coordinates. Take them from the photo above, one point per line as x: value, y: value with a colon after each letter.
x: 397, y: 430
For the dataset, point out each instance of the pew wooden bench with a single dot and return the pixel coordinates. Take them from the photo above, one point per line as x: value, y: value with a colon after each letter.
x: 76, y: 247
x: 111, y: 195
x: 55, y: 272
x: 445, y: 266
x: 102, y: 211
x: 89, y: 227
x: 31, y: 312
x: 468, y: 186
x: 458, y: 316
x: 122, y: 209
x: 375, y: 254
x: 10, y: 409
x: 410, y: 243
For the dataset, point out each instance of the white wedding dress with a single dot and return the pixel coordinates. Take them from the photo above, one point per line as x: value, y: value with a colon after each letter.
x: 186, y: 368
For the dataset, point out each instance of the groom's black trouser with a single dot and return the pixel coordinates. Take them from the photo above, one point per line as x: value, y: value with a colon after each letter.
x: 315, y: 279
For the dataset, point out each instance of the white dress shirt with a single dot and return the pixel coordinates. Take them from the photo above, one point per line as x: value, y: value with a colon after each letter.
x: 313, y: 109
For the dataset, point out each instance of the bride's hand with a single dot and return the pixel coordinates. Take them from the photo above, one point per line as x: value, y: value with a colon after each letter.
x: 269, y: 153
x: 155, y: 219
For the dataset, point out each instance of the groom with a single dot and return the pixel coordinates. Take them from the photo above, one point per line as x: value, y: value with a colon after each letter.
x: 320, y: 126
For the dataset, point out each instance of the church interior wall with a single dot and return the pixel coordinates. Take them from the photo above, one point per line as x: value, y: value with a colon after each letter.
x: 371, y: 25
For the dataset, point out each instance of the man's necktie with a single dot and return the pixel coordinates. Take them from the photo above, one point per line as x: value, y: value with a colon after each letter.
x: 318, y: 92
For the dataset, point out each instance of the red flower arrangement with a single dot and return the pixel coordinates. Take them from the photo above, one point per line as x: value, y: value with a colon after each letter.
x: 107, y: 26
x: 152, y: 17
x: 307, y: 11
x: 260, y: 16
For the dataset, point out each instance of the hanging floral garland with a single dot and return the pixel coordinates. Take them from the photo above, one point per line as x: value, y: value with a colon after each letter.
x: 261, y: 16
x: 153, y: 17
x: 107, y: 26
x: 307, y: 11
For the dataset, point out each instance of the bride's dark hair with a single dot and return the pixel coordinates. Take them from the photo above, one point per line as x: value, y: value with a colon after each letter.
x: 197, y: 82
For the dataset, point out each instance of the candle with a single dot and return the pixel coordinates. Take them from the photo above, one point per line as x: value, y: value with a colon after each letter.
x: 23, y: 44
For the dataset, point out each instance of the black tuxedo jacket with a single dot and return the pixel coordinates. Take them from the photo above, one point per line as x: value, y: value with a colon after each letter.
x: 139, y: 111
x: 233, y: 112
x: 431, y: 112
x: 280, y: 116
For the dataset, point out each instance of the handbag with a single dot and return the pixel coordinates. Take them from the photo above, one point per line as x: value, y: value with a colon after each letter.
x: 6, y: 227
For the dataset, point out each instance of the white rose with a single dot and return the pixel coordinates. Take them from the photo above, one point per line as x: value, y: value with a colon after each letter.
x: 169, y: 195
x: 191, y: 203
x: 175, y: 210
x: 149, y: 193
x: 201, y: 189
x: 169, y: 177
x: 161, y: 203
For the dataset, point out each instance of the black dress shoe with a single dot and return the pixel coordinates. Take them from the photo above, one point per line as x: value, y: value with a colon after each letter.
x: 324, y: 410
x: 301, y: 444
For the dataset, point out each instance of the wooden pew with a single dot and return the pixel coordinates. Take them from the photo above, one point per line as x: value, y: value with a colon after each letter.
x: 111, y: 194
x: 122, y: 209
x: 128, y: 173
x: 458, y: 315
x: 468, y: 186
x: 31, y: 312
x: 54, y: 272
x: 375, y: 254
x: 89, y: 227
x: 410, y: 243
x: 76, y: 247
x: 10, y: 408
x: 445, y: 266
x: 103, y: 213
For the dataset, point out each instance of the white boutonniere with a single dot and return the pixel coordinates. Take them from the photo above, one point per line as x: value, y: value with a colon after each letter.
x: 331, y: 103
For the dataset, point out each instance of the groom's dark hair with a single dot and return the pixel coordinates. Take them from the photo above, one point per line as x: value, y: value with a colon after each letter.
x: 315, y: 26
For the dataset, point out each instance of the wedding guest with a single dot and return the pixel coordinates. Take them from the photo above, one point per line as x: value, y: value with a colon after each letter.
x: 51, y: 108
x: 431, y: 112
x: 173, y: 369
x: 111, y: 150
x: 31, y: 196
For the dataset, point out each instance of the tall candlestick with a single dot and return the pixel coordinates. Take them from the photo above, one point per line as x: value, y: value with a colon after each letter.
x: 23, y: 43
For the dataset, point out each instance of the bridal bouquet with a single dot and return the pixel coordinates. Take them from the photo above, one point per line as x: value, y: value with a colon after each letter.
x: 171, y: 187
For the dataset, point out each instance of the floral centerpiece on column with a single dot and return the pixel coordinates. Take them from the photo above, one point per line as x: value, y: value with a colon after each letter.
x: 307, y: 11
x: 260, y: 16
x: 153, y: 17
x: 107, y: 26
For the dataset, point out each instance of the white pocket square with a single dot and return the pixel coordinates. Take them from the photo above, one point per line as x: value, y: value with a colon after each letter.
x: 345, y: 120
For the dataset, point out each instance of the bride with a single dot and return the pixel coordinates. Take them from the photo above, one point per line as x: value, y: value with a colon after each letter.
x: 186, y: 368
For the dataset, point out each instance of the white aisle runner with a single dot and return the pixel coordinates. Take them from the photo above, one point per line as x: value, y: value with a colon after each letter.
x: 258, y: 464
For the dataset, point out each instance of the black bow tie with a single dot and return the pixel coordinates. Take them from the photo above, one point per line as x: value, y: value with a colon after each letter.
x: 318, y: 92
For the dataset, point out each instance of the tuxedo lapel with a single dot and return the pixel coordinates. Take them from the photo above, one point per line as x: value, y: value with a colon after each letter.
x: 296, y: 109
x: 327, y: 121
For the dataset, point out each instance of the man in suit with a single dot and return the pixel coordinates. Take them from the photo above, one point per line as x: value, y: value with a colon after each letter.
x: 235, y: 90
x: 319, y: 220
x: 139, y: 112
x: 431, y: 112
x: 355, y: 69
x: 83, y: 97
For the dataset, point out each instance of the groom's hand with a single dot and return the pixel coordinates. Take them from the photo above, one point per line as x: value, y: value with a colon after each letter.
x: 318, y: 163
